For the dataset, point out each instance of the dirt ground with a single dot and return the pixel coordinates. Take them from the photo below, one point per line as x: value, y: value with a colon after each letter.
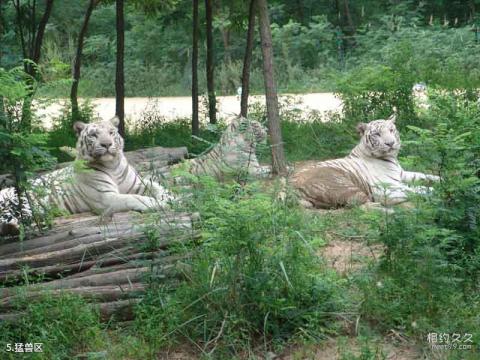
x: 178, y: 107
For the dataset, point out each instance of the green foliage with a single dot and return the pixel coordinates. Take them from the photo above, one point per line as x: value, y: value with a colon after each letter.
x: 65, y: 325
x: 308, y: 135
x: 22, y: 151
x: 428, y: 277
x: 372, y: 92
x: 254, y: 279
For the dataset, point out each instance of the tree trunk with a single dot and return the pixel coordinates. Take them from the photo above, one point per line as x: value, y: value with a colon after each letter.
x: 351, y: 26
x: 77, y: 62
x: 299, y: 11
x: 226, y: 45
x: 195, y: 123
x: 247, y: 60
x: 119, y: 75
x: 278, y: 157
x: 31, y: 50
x: 41, y: 31
x: 212, y: 102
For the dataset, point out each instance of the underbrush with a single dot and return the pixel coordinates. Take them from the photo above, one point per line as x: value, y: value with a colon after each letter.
x: 253, y: 284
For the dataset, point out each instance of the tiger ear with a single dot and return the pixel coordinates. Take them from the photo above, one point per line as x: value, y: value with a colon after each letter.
x: 361, y: 127
x: 78, y: 126
x: 393, y: 117
x: 115, y: 121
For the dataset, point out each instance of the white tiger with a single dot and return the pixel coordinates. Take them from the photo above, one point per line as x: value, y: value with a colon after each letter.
x: 371, y: 172
x: 105, y: 184
x: 234, y: 154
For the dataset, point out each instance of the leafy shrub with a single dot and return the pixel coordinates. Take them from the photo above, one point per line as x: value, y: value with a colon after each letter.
x: 254, y: 279
x: 372, y: 92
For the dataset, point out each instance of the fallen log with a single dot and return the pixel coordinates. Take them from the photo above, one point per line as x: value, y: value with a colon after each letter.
x: 89, y: 243
x: 79, y: 226
x: 120, y: 277
x: 80, y: 253
x: 112, y: 275
x: 115, y: 257
x: 106, y: 293
x: 122, y: 310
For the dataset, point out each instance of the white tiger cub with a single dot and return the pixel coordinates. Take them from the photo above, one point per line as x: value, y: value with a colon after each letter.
x: 235, y: 153
x: 106, y: 184
x: 370, y: 173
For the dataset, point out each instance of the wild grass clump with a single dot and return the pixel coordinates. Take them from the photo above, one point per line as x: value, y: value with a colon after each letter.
x: 65, y: 325
x: 254, y: 282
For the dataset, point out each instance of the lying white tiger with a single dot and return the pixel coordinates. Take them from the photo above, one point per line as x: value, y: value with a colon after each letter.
x: 234, y: 155
x: 370, y: 173
x: 107, y: 183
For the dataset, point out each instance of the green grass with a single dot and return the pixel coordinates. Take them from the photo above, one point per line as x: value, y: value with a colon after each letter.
x: 65, y: 325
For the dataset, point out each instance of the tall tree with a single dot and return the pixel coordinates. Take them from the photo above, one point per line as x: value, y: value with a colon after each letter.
x: 279, y: 165
x: 247, y: 60
x: 77, y: 62
x: 346, y: 22
x: 31, y: 34
x: 195, y: 31
x: 31, y: 40
x: 119, y: 73
x: 212, y: 102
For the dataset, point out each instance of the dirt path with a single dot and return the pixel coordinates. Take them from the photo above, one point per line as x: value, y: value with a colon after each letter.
x: 178, y: 107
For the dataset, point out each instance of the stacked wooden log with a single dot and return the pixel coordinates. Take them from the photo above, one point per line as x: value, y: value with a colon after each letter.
x: 106, y: 262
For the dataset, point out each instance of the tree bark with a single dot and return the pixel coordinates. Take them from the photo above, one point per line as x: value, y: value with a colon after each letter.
x: 106, y: 293
x: 41, y: 31
x: 278, y: 157
x: 78, y: 61
x: 247, y: 60
x: 351, y: 26
x: 121, y: 310
x: 31, y: 50
x: 119, y: 74
x: 226, y: 45
x: 195, y: 122
x: 212, y: 102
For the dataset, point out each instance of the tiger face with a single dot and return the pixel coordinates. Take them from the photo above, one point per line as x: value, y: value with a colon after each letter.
x: 380, y: 138
x: 98, y: 141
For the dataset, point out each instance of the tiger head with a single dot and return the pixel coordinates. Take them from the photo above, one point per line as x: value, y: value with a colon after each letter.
x: 252, y: 130
x: 380, y: 138
x: 98, y: 141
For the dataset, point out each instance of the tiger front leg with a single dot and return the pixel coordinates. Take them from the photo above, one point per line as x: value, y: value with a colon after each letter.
x: 111, y: 203
x: 399, y: 194
x: 157, y: 191
x: 411, y: 176
x: 147, y: 186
